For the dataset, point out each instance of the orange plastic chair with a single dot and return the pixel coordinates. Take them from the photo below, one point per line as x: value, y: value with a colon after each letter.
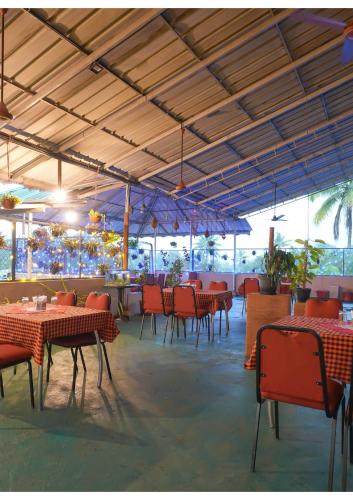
x: 66, y: 298
x: 185, y: 306
x: 75, y: 343
x: 153, y: 303
x: 317, y: 308
x: 251, y: 285
x: 13, y: 355
x: 220, y: 286
x: 196, y: 283
x: 290, y: 368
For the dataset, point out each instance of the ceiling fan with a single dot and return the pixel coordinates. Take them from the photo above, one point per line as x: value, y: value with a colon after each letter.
x: 277, y: 218
x: 345, y: 28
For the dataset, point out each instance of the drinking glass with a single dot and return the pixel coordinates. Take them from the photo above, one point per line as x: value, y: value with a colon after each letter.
x: 54, y: 300
x: 25, y: 300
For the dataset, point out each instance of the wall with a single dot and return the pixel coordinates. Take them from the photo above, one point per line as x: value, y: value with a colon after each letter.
x: 15, y: 290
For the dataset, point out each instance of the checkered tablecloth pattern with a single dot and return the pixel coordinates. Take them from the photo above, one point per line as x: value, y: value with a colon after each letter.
x: 212, y: 300
x: 338, y: 346
x: 33, y: 330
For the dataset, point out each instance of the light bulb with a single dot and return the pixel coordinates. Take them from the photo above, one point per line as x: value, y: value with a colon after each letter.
x: 59, y: 195
x: 71, y: 216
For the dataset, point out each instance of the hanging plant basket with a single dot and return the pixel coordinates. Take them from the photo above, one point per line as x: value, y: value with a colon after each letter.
x: 41, y: 233
x: 211, y: 243
x: 57, y: 230
x: 34, y: 244
x: 71, y: 245
x: 55, y: 267
x: 95, y: 217
x: 154, y: 223
x: 103, y: 269
x: 113, y: 251
x: 173, y: 244
x: 225, y: 257
x: 176, y: 225
x: 9, y: 201
x: 91, y: 248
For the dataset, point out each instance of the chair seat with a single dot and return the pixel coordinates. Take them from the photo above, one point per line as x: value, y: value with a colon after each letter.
x: 82, y: 340
x: 200, y: 313
x: 334, y: 390
x: 11, y: 354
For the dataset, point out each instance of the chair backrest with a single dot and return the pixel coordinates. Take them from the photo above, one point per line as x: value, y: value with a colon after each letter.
x: 322, y: 308
x: 290, y: 366
x: 192, y: 275
x: 161, y: 279
x: 66, y: 298
x: 152, y: 298
x: 184, y: 300
x: 221, y: 286
x: 98, y: 301
x: 251, y: 285
x: 197, y: 284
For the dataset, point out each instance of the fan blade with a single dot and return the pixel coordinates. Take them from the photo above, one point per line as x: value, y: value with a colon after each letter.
x: 280, y: 216
x: 347, y: 51
x: 306, y: 17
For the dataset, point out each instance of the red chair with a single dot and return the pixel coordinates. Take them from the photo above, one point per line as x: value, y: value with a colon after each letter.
x: 220, y: 286
x: 66, y: 298
x: 76, y: 342
x: 185, y: 307
x: 348, y: 435
x: 251, y: 285
x: 13, y: 355
x: 152, y: 304
x: 196, y: 283
x: 317, y: 308
x: 290, y: 368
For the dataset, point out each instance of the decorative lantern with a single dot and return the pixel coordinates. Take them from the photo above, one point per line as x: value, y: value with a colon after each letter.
x: 207, y: 233
x: 154, y: 223
x: 181, y: 184
x: 176, y: 225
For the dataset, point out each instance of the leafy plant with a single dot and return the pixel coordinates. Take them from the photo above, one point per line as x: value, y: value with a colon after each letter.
x: 103, y: 269
x: 57, y: 230
x: 34, y: 244
x: 91, y: 247
x: 278, y: 264
x: 95, y: 216
x: 71, y: 245
x: 109, y: 237
x: 176, y: 272
x: 9, y: 200
x: 55, y: 267
x: 165, y: 259
x: 2, y: 242
x: 186, y: 254
x: 133, y: 243
x: 145, y: 270
x: 306, y: 263
x: 41, y: 233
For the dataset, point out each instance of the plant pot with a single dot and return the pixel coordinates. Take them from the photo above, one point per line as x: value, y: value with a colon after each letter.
x: 8, y: 204
x: 266, y: 286
x: 303, y: 294
x: 95, y: 219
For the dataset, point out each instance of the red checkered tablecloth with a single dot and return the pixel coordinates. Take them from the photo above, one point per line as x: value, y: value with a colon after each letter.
x: 213, y: 300
x: 32, y: 330
x: 338, y: 345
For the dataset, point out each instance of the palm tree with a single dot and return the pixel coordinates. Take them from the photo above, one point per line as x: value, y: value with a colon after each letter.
x: 342, y: 197
x: 280, y: 240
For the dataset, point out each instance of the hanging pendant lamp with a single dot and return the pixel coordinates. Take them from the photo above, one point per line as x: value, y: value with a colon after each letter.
x: 176, y: 225
x: 5, y: 115
x: 181, y: 184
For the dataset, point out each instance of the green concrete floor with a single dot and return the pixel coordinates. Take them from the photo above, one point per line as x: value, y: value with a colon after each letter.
x: 175, y: 418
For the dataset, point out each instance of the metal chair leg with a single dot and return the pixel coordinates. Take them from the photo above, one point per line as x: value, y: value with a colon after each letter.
x: 192, y: 324
x: 2, y: 394
x: 350, y: 445
x: 106, y: 360
x: 15, y: 370
x: 257, y: 427
x: 343, y: 410
x: 30, y: 376
x: 220, y: 322
x: 276, y: 420
x: 154, y: 323
x: 82, y: 359
x: 184, y: 325
x: 49, y: 363
x: 332, y: 454
x: 172, y: 328
x: 208, y: 327
x: 198, y: 327
x: 242, y: 310
x: 142, y: 322
x: 75, y: 370
x: 344, y: 457
x: 178, y: 327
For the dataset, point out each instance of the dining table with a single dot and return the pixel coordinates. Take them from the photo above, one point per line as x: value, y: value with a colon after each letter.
x: 211, y: 300
x: 24, y: 325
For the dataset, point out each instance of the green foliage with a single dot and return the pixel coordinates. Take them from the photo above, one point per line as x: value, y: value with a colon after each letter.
x: 133, y: 243
x: 176, y: 272
x: 278, y: 264
x: 11, y: 198
x: 103, y: 269
x: 2, y: 242
x: 57, y: 230
x: 306, y: 263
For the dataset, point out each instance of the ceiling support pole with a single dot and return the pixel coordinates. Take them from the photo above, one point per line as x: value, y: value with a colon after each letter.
x: 126, y: 228
x: 271, y: 239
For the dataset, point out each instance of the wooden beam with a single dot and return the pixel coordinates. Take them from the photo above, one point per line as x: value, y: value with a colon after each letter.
x: 126, y: 228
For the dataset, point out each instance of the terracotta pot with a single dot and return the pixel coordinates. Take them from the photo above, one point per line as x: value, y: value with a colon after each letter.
x: 95, y: 218
x: 8, y: 204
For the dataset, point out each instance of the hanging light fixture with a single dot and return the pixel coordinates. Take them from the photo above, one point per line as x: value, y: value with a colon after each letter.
x: 181, y: 184
x: 176, y: 225
x: 5, y: 115
x: 154, y: 223
x: 143, y: 206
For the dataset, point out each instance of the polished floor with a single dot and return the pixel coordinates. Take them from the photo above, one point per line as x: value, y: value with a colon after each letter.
x: 175, y: 418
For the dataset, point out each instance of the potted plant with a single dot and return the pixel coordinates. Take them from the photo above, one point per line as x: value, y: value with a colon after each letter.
x: 306, y: 263
x: 71, y: 245
x: 9, y: 201
x: 103, y: 269
x: 112, y: 251
x: 91, y: 248
x: 176, y: 272
x: 34, y: 244
x: 173, y: 244
x: 2, y: 242
x: 55, y: 267
x: 41, y: 233
x: 94, y: 217
x: 276, y: 263
x: 133, y: 243
x: 57, y: 230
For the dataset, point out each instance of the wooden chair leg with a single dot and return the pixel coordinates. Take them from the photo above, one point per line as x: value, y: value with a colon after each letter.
x: 30, y: 376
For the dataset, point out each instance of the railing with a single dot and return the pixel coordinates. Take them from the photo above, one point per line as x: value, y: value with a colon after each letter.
x: 79, y: 263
